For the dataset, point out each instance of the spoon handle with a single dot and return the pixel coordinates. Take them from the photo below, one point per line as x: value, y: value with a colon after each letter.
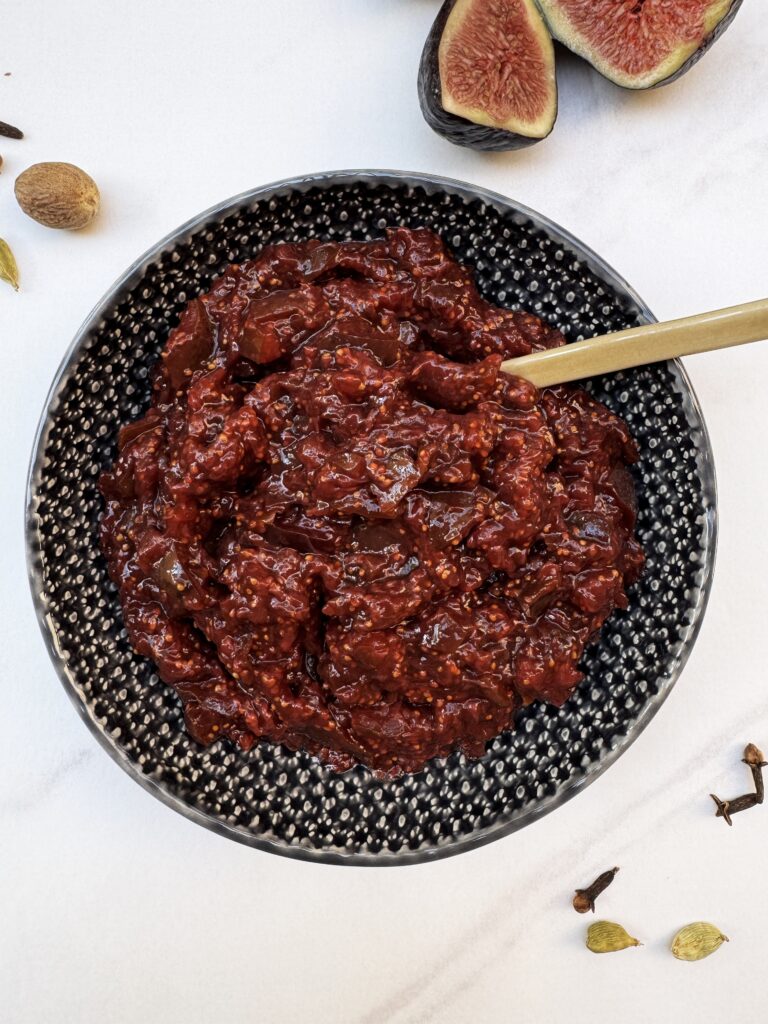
x: 651, y: 343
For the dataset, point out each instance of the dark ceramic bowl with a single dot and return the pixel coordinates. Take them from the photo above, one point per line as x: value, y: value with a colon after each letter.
x: 286, y: 802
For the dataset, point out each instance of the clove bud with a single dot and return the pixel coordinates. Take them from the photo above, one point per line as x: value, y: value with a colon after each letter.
x: 584, y: 900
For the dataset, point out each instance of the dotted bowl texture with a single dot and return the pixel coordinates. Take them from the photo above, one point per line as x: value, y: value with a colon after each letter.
x: 286, y: 802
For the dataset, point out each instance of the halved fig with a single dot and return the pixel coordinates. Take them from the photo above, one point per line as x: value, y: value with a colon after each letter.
x: 639, y: 44
x: 487, y: 75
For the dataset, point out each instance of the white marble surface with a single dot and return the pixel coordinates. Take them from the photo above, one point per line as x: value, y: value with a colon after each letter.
x: 114, y: 909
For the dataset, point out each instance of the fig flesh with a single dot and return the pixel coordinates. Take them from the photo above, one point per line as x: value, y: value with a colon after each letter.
x: 639, y: 44
x: 487, y: 75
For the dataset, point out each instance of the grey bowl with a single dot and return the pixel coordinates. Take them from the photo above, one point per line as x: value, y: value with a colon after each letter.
x: 286, y: 802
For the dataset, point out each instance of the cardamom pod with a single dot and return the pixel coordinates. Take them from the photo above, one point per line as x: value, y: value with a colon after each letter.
x: 607, y: 937
x: 8, y: 270
x: 697, y: 940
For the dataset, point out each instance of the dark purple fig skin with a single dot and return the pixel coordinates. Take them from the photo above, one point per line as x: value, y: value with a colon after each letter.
x: 709, y: 41
x: 457, y: 129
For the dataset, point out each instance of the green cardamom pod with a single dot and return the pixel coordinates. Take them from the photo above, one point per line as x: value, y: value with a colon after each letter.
x: 697, y: 940
x: 607, y: 937
x: 8, y: 270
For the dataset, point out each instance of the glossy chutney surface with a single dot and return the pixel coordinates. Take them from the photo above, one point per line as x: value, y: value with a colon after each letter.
x: 340, y: 527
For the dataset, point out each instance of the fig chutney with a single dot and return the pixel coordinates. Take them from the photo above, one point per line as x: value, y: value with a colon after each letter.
x: 340, y: 527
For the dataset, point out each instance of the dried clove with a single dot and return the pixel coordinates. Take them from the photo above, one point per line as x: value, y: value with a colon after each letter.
x: 755, y: 760
x: 725, y: 808
x: 584, y: 899
x: 10, y: 132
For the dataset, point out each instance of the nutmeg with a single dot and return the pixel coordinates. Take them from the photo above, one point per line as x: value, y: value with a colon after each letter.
x: 57, y: 195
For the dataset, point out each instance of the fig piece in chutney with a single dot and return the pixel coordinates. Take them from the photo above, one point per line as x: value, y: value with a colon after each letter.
x: 639, y: 44
x: 487, y: 74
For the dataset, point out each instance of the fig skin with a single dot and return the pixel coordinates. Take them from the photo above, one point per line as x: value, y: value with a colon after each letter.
x: 574, y: 45
x: 455, y: 129
x: 712, y: 38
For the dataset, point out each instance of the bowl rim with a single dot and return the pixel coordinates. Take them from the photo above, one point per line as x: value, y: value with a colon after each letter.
x: 431, y: 184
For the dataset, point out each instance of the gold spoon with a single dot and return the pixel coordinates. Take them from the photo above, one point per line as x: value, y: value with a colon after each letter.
x: 637, y: 346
